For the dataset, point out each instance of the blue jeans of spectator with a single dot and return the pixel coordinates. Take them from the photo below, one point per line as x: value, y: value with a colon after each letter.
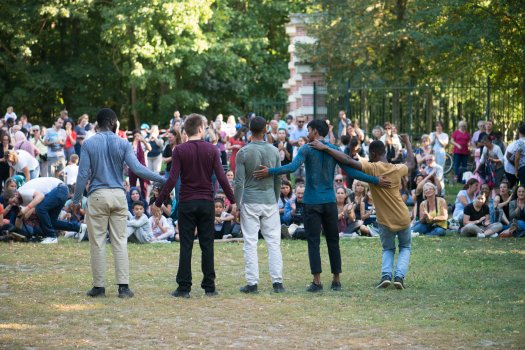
x: 49, y: 209
x: 521, y: 225
x: 325, y: 215
x: 388, y: 242
x: 33, y: 174
x: 460, y: 161
x: 428, y: 229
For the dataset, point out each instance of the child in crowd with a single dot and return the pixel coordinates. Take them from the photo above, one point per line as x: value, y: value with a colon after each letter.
x: 139, y: 228
x: 70, y: 172
x: 223, y: 220
x: 161, y: 229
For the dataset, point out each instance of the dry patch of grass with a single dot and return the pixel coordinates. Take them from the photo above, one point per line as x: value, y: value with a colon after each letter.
x: 462, y: 293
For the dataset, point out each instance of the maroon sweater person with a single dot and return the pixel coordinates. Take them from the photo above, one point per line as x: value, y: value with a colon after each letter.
x: 195, y: 162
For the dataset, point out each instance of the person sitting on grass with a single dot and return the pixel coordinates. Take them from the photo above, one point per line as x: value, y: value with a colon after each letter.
x: 476, y: 218
x: 348, y: 225
x: 139, y: 229
x: 433, y: 213
x: 517, y: 214
x: 294, y: 214
x: 285, y: 197
x: 392, y: 214
x: 223, y: 220
x: 162, y: 231
x: 466, y: 196
x: 368, y: 216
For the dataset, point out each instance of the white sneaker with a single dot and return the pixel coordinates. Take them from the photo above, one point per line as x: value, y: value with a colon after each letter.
x: 414, y: 234
x: 495, y: 235
x: 354, y: 235
x: 50, y: 240
x: 481, y: 235
x: 82, y: 232
x: 70, y: 234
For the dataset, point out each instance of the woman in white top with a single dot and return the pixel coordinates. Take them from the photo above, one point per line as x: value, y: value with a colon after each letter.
x: 464, y: 198
x: 439, y: 141
x: 23, y: 163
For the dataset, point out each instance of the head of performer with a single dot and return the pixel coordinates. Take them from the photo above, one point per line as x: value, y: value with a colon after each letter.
x: 258, y: 127
x: 317, y: 129
x: 377, y: 151
x: 194, y: 126
x: 107, y: 120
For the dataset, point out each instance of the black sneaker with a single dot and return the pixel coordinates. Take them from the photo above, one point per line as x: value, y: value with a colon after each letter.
x: 211, y: 294
x: 179, y: 294
x: 385, y: 282
x: 315, y: 288
x: 278, y: 287
x: 335, y: 286
x: 96, y: 292
x: 398, y: 283
x: 125, y: 292
x: 249, y: 289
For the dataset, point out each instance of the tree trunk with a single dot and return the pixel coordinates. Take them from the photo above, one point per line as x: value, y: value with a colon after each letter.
x: 364, y: 110
x: 395, y: 107
x: 134, y: 113
x: 430, y: 105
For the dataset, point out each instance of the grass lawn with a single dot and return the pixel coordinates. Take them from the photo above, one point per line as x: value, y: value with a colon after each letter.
x: 461, y: 293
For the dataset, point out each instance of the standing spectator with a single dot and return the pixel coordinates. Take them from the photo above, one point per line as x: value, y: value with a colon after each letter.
x: 55, y: 139
x: 235, y: 143
x: 140, y: 147
x: 81, y: 129
x: 4, y: 150
x: 393, y: 217
x: 300, y: 130
x: 230, y: 126
x: 476, y: 139
x: 491, y: 163
x: 488, y: 131
x: 24, y: 122
x: 341, y: 123
x: 290, y: 125
x: 42, y: 149
x: 71, y: 139
x: 195, y: 161
x: 174, y: 139
x: 422, y: 151
x: 439, y: 142
x: 460, y: 139
x: 284, y: 147
x: 257, y: 207
x: 389, y: 132
x: 10, y: 114
x: 221, y: 139
x: 377, y: 132
x: 518, y: 153
x: 102, y: 162
x: 155, y: 154
x: 70, y: 172
x: 21, y: 142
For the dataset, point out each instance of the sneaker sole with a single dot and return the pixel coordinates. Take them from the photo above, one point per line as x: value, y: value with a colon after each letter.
x: 384, y: 284
x: 398, y: 285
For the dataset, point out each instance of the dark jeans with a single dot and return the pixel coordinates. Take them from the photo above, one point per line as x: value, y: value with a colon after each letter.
x: 49, y: 209
x: 521, y: 174
x: 511, y: 179
x: 316, y: 215
x: 460, y: 164
x: 198, y: 214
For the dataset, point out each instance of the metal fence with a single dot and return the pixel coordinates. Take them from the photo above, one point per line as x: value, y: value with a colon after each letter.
x: 414, y: 108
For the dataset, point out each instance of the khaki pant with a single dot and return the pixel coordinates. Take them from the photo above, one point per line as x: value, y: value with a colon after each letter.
x: 108, y: 209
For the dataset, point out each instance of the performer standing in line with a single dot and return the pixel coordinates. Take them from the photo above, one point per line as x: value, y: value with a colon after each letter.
x: 195, y: 162
x: 258, y: 207
x: 392, y: 213
x: 102, y: 162
x: 319, y: 201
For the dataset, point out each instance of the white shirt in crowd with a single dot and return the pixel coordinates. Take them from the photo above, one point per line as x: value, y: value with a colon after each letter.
x: 513, y: 147
x: 70, y: 174
x: 24, y: 160
x: 496, y: 152
x: 43, y: 185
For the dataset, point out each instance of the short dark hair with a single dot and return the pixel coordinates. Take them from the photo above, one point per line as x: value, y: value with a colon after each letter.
x: 320, y: 126
x: 378, y: 147
x: 345, y: 140
x: 138, y: 203
x: 521, y: 129
x: 257, y: 125
x: 192, y: 124
x: 106, y: 117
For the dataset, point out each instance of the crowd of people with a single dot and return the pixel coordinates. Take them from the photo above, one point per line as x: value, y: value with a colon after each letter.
x: 179, y: 183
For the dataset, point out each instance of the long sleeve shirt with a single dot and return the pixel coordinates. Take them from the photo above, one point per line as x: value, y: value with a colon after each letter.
x: 195, y: 161
x: 320, y: 170
x: 249, y: 190
x: 102, y: 161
